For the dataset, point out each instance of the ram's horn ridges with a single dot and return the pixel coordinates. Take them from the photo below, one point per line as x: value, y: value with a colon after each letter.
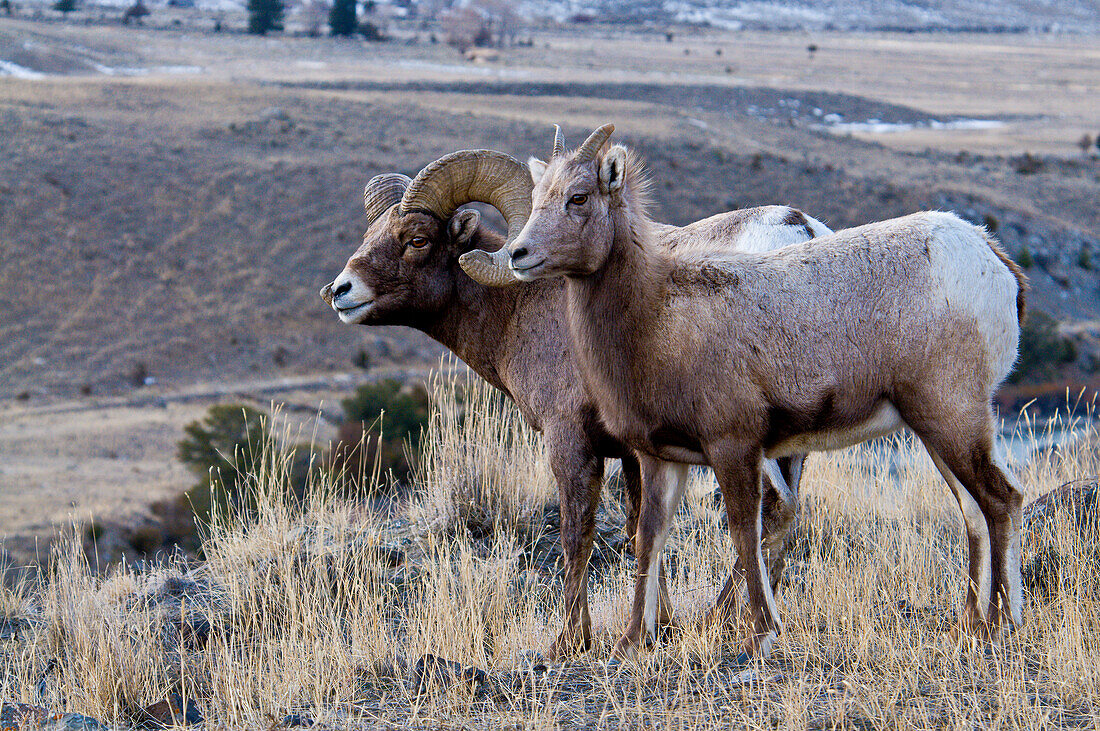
x: 382, y: 192
x: 473, y: 175
x: 559, y: 142
x: 592, y: 145
x: 490, y: 269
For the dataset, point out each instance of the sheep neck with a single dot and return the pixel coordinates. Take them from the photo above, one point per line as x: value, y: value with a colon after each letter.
x: 475, y: 326
x: 610, y: 310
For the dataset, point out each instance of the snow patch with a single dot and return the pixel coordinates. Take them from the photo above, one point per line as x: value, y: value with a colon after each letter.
x: 875, y: 126
x: 7, y: 68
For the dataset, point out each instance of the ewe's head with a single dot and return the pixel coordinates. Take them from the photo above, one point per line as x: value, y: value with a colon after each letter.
x: 576, y: 195
x: 404, y: 273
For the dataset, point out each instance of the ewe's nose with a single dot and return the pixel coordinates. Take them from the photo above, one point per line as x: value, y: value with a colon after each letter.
x: 519, y: 253
x: 341, y: 289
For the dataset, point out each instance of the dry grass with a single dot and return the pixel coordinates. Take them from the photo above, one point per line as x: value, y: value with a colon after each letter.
x: 323, y: 608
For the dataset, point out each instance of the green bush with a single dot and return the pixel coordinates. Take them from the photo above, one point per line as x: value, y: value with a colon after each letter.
x: 222, y: 448
x: 1042, y: 349
x: 341, y: 18
x: 1024, y: 258
x: 380, y: 420
x: 265, y: 15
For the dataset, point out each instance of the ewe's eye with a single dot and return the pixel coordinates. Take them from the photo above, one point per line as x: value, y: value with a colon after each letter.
x: 579, y: 199
x: 418, y: 242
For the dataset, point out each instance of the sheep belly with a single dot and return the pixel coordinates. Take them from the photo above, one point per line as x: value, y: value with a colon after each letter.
x: 884, y: 420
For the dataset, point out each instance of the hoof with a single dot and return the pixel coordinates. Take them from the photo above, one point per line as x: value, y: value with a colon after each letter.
x: 567, y: 646
x: 627, y: 649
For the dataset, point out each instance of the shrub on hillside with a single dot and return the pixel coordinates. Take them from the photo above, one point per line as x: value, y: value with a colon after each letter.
x: 380, y: 420
x: 230, y: 445
x: 265, y: 15
x: 1042, y: 349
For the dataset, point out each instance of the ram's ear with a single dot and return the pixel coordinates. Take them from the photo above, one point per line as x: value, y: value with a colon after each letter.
x: 613, y: 169
x: 537, y: 168
x: 463, y: 225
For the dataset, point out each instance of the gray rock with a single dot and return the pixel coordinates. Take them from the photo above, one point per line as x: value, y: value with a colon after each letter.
x: 436, y: 673
x: 1076, y: 507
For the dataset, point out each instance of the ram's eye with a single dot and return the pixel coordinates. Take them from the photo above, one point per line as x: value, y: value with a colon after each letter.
x: 418, y: 242
x: 579, y: 199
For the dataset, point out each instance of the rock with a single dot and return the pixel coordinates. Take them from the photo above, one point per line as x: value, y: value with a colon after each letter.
x: 14, y: 629
x: 170, y: 712
x: 296, y: 720
x: 72, y: 722
x: 1076, y: 507
x: 27, y: 717
x: 21, y: 716
x: 431, y: 672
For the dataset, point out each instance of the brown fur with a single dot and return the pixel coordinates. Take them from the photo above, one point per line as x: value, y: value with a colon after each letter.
x: 723, y: 358
x: 517, y: 339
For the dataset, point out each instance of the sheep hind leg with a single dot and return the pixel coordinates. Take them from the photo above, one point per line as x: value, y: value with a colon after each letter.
x: 963, y: 439
x: 976, y: 601
x: 662, y: 491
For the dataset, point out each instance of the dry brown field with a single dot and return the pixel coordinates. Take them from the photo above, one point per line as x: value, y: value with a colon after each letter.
x: 171, y: 200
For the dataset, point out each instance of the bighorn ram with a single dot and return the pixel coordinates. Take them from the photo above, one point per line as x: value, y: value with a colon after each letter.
x: 406, y: 273
x: 726, y: 359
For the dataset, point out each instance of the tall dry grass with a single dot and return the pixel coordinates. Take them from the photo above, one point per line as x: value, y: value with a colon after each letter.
x: 323, y: 608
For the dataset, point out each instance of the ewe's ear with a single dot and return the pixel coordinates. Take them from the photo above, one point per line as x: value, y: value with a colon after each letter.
x: 463, y: 225
x: 613, y: 169
x: 537, y: 168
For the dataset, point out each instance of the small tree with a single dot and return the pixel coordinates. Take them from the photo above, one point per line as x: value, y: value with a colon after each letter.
x: 265, y: 15
x: 341, y: 18
x: 381, y: 419
x: 65, y: 6
x: 7, y: 7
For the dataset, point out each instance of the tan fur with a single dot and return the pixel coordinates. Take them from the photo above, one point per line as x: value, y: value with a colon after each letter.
x: 517, y: 339
x: 723, y: 357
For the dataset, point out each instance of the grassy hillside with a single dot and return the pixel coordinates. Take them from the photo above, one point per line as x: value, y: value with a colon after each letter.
x: 428, y: 615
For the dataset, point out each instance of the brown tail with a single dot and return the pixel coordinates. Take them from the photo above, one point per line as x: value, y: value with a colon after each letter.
x: 1021, y: 278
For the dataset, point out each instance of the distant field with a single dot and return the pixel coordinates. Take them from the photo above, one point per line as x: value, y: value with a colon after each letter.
x: 172, y: 199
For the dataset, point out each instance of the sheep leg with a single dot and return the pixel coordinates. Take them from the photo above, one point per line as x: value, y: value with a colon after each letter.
x: 632, y: 476
x: 962, y: 437
x: 973, y: 618
x: 662, y: 490
x: 738, y: 468
x: 778, y: 509
x: 579, y: 474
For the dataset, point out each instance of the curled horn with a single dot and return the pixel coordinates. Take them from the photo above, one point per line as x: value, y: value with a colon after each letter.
x: 382, y: 192
x: 559, y: 143
x: 592, y: 145
x: 476, y: 175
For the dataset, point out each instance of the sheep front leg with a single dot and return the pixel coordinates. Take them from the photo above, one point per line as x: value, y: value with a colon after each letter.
x: 632, y: 497
x: 781, y: 480
x: 662, y: 490
x: 579, y: 474
x: 738, y: 468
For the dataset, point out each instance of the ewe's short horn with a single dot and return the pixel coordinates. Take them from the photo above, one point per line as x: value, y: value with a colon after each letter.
x: 382, y: 192
x: 592, y: 145
x: 559, y: 142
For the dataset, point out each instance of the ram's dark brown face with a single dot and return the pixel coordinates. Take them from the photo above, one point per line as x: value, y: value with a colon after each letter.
x: 404, y: 272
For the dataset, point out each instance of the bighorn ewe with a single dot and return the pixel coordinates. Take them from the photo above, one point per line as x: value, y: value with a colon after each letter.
x: 406, y: 273
x: 727, y: 359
